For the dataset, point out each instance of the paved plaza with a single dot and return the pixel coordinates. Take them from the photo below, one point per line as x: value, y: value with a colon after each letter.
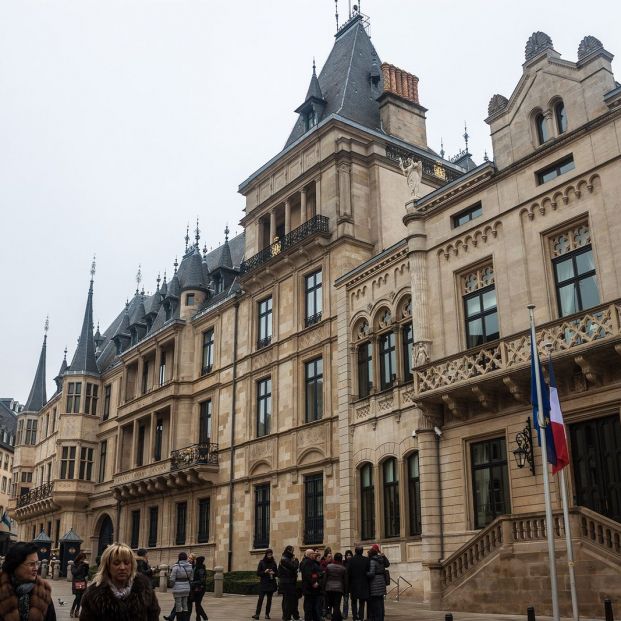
x: 241, y: 607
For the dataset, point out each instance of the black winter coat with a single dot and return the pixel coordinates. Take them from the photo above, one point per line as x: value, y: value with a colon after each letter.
x: 288, y: 570
x: 267, y: 582
x: 376, y: 574
x: 312, y: 576
x: 100, y: 604
x: 357, y: 570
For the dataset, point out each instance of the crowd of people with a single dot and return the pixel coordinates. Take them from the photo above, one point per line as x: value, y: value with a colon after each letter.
x: 328, y: 583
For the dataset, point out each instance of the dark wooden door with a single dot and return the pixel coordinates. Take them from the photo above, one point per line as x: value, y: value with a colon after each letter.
x: 106, y: 535
x: 596, y: 457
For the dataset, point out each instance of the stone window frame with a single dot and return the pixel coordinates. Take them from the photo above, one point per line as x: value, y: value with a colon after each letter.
x: 359, y: 468
x: 407, y: 500
x: 269, y: 422
x: 311, y: 320
x: 398, y: 472
x: 255, y: 487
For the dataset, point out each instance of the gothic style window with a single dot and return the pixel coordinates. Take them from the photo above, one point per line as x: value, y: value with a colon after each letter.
x: 135, y: 529
x: 265, y: 323
x: 153, y: 520
x: 264, y: 406
x: 392, y: 523
x: 90, y: 399
x: 182, y: 512
x: 106, y: 406
x: 162, y: 374
x: 204, y: 427
x: 407, y: 339
x: 208, y: 345
x: 367, y: 503
x: 365, y: 369
x: 86, y: 464
x: 480, y: 308
x: 314, y: 303
x: 414, y: 494
x: 574, y: 270
x: 74, y: 390
x: 67, y: 462
x: 555, y: 170
x: 388, y: 360
x: 262, y: 516
x: 561, y: 117
x: 159, y: 436
x: 103, y: 454
x: 203, y: 520
x: 542, y: 128
x: 314, y: 390
x: 490, y: 481
x: 313, y: 509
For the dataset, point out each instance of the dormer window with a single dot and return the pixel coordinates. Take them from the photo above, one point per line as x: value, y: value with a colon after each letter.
x: 189, y: 299
x: 561, y: 117
x: 310, y: 119
x: 542, y: 128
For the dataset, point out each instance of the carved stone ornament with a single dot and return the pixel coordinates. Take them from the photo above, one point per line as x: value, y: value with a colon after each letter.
x: 496, y: 104
x: 386, y: 319
x: 420, y: 353
x: 587, y: 45
x: 413, y: 171
x: 478, y: 279
x: 570, y: 240
x: 363, y: 330
x: 537, y: 42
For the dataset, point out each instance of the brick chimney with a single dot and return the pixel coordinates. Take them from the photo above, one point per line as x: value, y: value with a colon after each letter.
x: 401, y: 114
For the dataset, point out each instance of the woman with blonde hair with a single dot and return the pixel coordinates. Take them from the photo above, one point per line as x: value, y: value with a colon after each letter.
x: 118, y: 592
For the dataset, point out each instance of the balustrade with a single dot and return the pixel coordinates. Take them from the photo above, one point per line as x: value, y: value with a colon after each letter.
x: 37, y: 493
x: 194, y: 455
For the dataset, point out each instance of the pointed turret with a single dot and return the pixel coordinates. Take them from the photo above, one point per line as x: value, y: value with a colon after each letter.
x: 84, y: 360
x: 311, y: 111
x: 37, y: 397
x: 59, y: 378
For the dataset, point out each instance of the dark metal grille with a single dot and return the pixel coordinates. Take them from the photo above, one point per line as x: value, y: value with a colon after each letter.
x: 313, y: 509
x: 38, y: 493
x: 196, y: 454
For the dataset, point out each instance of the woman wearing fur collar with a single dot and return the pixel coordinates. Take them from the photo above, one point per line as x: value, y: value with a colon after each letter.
x: 118, y: 593
x: 24, y: 596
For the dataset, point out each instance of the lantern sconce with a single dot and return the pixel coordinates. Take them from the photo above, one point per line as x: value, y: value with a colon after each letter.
x: 524, y: 451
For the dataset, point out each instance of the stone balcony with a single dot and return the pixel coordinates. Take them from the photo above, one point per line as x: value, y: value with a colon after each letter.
x: 38, y: 501
x: 589, y: 341
x: 193, y: 465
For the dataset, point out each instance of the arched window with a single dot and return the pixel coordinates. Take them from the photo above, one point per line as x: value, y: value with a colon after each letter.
x: 414, y: 494
x: 388, y: 360
x: 392, y: 523
x: 542, y: 128
x: 367, y: 503
x: 561, y: 117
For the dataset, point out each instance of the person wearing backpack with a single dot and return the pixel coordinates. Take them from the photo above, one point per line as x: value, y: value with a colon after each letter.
x: 266, y: 571
x: 180, y: 578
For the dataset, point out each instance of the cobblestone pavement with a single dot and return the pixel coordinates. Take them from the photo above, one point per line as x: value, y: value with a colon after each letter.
x: 240, y: 608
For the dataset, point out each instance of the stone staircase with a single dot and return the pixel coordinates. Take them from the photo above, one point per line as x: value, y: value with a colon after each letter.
x: 504, y: 568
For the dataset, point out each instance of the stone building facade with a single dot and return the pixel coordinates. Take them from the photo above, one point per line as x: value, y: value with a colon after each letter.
x: 355, y: 366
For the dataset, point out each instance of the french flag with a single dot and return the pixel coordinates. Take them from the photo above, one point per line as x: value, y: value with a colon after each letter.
x: 545, y: 402
x: 557, y: 424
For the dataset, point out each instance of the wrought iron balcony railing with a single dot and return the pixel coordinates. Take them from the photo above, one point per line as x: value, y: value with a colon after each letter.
x: 37, y: 493
x: 313, y: 319
x: 316, y: 224
x: 194, y: 455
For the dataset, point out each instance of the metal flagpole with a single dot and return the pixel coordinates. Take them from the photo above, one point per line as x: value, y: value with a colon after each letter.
x: 570, y: 549
x: 546, y: 479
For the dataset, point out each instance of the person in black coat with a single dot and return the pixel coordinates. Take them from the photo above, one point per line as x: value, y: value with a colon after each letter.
x: 198, y: 587
x: 312, y: 578
x: 357, y: 570
x: 287, y: 579
x: 377, y: 583
x: 266, y: 571
x: 79, y: 576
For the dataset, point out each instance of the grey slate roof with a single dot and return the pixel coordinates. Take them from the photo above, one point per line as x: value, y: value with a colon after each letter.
x: 84, y: 360
x: 8, y: 420
x: 344, y: 81
x: 38, y: 397
x: 237, y: 246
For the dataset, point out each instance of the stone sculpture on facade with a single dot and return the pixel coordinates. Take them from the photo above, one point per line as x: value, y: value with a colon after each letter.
x: 413, y: 171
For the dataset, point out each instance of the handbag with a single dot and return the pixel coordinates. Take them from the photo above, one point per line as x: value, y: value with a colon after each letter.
x: 79, y: 585
x: 387, y: 576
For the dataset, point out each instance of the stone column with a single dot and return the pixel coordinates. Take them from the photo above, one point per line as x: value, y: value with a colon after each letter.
x: 272, y: 225
x: 548, y: 119
x: 69, y: 572
x: 303, y: 217
x: 318, y: 196
x: 218, y: 581
x: 163, y: 578
x: 287, y: 216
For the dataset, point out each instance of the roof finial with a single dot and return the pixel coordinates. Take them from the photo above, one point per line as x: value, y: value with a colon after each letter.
x: 485, y: 156
x: 187, y: 237
x: 205, y: 249
x: 65, y: 358
x: 466, y: 135
x: 314, y: 67
x: 226, y: 233
x: 164, y: 276
x: 442, y: 151
x: 93, y: 266
x: 46, y: 327
x: 176, y: 264
x: 158, y: 280
x: 138, y: 278
x: 336, y: 14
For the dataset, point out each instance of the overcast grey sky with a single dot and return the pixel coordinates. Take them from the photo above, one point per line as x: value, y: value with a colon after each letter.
x: 122, y: 120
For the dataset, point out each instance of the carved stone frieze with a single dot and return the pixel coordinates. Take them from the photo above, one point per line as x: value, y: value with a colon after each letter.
x: 311, y: 437
x: 470, y: 239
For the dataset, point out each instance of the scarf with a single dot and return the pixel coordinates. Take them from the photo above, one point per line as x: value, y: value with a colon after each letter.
x: 121, y: 593
x: 23, y: 590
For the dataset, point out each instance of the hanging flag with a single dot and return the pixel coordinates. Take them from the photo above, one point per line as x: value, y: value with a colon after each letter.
x: 5, y: 523
x: 545, y: 400
x: 557, y: 424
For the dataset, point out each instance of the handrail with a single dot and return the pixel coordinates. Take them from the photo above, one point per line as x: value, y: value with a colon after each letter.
x: 202, y: 453
x: 398, y: 586
x: 599, y: 530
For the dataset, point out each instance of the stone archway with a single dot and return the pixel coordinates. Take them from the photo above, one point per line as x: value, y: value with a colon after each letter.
x: 105, y: 535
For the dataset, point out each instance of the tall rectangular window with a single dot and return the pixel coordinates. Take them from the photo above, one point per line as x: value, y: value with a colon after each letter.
x: 407, y: 341
x: 313, y: 509
x: 576, y: 281
x: 204, y: 429
x: 162, y: 373
x: 388, y: 360
x: 135, y: 529
x: 31, y: 431
x: 365, y: 369
x: 67, y: 462
x: 262, y: 516
x: 265, y: 323
x: 208, y: 345
x: 140, y: 444
x: 314, y: 303
x: 392, y: 522
x: 367, y: 503
x: 159, y: 437
x: 414, y: 494
x: 86, y: 464
x: 182, y: 514
x: 47, y: 425
x: 153, y: 519
x: 481, y: 316
x: 314, y: 389
x: 490, y: 481
x: 90, y: 399
x: 74, y: 391
x: 145, y: 377
x: 106, y: 405
x: 203, y: 520
x: 103, y: 456
x: 264, y: 406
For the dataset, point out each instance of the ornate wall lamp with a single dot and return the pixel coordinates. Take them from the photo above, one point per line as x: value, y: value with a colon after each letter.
x: 524, y: 451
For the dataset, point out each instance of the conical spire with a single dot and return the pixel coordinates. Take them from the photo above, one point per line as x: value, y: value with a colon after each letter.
x: 84, y: 360
x: 225, y: 257
x: 37, y: 397
x: 314, y: 90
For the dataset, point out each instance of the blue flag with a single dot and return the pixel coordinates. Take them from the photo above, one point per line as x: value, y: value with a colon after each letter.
x: 545, y: 400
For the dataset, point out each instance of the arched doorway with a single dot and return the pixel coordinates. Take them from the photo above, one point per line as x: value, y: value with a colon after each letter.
x: 106, y: 534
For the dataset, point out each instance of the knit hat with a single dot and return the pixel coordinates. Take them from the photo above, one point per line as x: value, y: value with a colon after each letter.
x: 375, y: 547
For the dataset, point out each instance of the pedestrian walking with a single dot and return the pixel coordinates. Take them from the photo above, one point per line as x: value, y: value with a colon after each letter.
x: 142, y: 563
x: 357, y: 570
x: 180, y: 578
x: 335, y: 586
x: 21, y: 588
x: 310, y: 570
x: 79, y: 576
x: 287, y: 584
x: 377, y: 583
x: 266, y: 571
x: 117, y: 592
x: 198, y: 588
x: 347, y: 558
